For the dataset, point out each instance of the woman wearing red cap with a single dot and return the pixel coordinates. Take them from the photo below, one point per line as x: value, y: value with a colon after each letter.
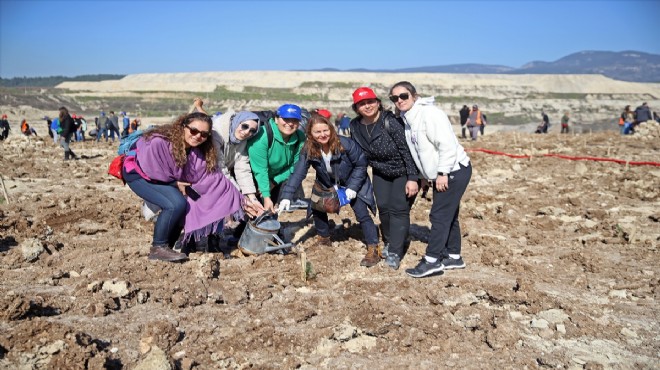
x: 381, y: 136
x: 443, y: 162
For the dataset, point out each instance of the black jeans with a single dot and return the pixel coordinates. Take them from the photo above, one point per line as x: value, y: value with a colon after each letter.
x: 393, y: 210
x: 361, y: 213
x: 445, y: 237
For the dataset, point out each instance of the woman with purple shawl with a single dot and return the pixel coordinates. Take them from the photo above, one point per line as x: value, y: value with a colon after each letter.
x: 169, y: 161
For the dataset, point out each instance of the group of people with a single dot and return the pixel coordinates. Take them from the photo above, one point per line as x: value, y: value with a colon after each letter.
x: 472, y: 119
x: 200, y: 170
x: 630, y: 119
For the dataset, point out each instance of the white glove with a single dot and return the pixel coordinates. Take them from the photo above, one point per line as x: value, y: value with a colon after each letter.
x: 285, y: 205
x: 350, y: 194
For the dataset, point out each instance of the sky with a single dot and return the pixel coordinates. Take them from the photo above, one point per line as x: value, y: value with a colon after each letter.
x: 40, y: 38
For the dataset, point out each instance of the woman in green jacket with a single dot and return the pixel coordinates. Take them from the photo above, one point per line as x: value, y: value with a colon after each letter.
x: 274, y: 151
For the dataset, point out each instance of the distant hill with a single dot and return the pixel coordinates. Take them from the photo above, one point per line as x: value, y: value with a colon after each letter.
x: 631, y: 66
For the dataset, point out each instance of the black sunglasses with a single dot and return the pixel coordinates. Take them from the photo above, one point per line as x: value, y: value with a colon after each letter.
x: 245, y: 126
x: 395, y: 98
x: 195, y: 132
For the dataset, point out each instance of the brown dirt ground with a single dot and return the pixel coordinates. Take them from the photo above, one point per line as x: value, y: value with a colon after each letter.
x: 562, y: 272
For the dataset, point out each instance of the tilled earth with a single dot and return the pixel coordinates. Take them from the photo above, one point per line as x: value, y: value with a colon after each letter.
x: 562, y: 272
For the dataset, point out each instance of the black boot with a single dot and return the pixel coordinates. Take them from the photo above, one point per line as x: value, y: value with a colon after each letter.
x: 202, y: 246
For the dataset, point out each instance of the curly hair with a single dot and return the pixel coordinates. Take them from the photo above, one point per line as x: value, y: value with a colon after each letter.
x: 174, y: 133
x: 312, y: 148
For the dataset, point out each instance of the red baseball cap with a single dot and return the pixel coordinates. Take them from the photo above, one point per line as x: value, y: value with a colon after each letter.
x: 324, y: 112
x: 363, y: 93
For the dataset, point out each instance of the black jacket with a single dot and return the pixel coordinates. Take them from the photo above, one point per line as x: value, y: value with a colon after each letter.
x: 386, y: 150
x: 465, y: 114
x: 68, y: 126
x: 350, y: 166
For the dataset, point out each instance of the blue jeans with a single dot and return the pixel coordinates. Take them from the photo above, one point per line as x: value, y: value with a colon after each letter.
x: 361, y: 213
x: 445, y: 237
x: 101, y: 132
x: 166, y: 196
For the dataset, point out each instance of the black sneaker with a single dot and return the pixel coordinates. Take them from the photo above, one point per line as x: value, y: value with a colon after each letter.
x: 453, y: 264
x: 425, y: 268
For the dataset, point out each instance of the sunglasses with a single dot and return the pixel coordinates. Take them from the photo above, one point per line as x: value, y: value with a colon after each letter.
x: 195, y: 132
x: 395, y: 98
x: 245, y: 126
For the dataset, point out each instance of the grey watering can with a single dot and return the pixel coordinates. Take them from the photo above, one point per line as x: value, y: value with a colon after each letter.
x: 260, y: 236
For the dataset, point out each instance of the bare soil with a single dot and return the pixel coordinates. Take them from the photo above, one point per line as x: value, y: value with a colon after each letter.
x: 562, y: 272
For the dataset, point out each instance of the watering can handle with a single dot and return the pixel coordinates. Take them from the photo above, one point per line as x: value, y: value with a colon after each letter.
x: 257, y: 220
x: 276, y: 237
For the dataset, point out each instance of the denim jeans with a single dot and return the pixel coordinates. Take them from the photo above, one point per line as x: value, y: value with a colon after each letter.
x: 101, y: 132
x: 393, y: 210
x: 64, y: 143
x: 361, y: 213
x: 445, y: 237
x: 166, y: 196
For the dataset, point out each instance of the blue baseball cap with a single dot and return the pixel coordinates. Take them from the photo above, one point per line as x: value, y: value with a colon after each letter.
x: 289, y: 111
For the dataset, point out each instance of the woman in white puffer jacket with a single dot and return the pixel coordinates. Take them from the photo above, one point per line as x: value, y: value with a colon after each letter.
x: 442, y: 161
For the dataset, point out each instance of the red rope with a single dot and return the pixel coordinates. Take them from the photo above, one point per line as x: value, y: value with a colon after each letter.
x: 571, y: 158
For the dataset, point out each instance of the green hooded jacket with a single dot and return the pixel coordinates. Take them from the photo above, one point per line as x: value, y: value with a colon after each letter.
x: 274, y: 164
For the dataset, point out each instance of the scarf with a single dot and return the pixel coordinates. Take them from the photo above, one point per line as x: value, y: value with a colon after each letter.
x: 236, y: 120
x: 219, y: 198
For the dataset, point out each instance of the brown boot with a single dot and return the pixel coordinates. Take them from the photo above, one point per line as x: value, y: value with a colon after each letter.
x: 372, y: 257
x: 165, y: 253
x: 323, y: 241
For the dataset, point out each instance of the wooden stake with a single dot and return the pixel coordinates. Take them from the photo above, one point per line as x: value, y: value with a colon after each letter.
x: 303, y: 264
x: 4, y: 190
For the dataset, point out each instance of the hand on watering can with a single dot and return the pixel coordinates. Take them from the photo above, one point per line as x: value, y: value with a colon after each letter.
x: 285, y: 206
x: 252, y: 207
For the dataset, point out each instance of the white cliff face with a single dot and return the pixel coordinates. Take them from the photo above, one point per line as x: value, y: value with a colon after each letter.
x: 506, y: 99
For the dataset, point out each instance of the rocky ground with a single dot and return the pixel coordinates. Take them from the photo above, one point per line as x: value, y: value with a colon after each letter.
x: 562, y: 272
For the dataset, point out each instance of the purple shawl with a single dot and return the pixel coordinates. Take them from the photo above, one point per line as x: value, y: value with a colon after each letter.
x: 219, y: 198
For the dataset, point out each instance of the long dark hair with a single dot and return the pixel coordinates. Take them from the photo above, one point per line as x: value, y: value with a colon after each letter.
x: 63, y: 113
x: 312, y: 148
x: 174, y: 133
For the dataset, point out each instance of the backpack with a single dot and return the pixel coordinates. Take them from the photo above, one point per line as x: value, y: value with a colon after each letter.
x: 126, y: 149
x: 127, y: 143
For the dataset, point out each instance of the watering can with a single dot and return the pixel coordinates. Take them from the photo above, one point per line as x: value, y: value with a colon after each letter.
x: 260, y: 236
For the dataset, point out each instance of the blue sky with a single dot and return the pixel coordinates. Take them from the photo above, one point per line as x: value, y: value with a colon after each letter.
x: 70, y: 38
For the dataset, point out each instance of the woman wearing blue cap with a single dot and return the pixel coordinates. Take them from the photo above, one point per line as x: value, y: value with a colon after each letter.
x: 274, y: 152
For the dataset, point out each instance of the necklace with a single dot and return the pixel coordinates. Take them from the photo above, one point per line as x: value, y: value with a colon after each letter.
x: 366, y: 127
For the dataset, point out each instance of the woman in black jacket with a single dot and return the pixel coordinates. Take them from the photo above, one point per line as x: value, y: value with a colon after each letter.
x: 68, y: 129
x: 337, y: 161
x: 381, y: 136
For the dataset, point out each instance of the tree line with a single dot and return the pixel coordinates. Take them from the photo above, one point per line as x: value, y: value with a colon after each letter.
x: 53, y: 81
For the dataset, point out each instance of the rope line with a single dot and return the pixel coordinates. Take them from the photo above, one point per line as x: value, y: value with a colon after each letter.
x: 568, y: 157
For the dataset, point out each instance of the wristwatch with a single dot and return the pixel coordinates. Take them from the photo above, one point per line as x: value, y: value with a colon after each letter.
x: 443, y: 174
